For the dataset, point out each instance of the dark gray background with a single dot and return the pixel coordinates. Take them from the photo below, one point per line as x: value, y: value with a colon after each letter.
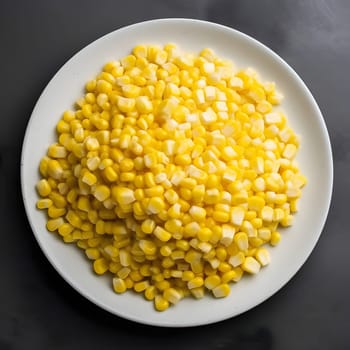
x: 38, y: 310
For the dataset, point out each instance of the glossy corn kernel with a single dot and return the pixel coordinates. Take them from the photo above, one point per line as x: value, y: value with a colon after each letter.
x: 172, y: 295
x: 44, y: 203
x: 43, y: 188
x: 160, y: 303
x: 162, y: 234
x: 150, y: 292
x: 221, y: 291
x: 195, y: 283
x: 101, y: 266
x: 251, y: 265
x: 263, y: 256
x: 212, y: 282
x: 119, y: 285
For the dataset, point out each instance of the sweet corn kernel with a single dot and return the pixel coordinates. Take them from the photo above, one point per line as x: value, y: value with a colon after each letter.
x: 263, y: 256
x: 228, y: 276
x: 101, y: 266
x: 251, y: 265
x: 160, y: 303
x: 43, y: 188
x: 150, y: 292
x: 195, y: 283
x: 162, y: 234
x: 241, y: 239
x: 212, y: 282
x: 148, y: 226
x: 123, y: 195
x: 172, y: 295
x: 275, y: 238
x: 44, y: 203
x: 221, y: 291
x: 119, y: 285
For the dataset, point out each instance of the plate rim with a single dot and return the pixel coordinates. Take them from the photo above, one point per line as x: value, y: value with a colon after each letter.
x: 225, y: 28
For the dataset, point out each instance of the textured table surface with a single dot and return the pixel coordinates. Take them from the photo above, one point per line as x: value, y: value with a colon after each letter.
x: 39, y: 310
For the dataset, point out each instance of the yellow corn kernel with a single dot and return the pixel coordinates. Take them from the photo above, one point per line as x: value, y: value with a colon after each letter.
x: 267, y: 214
x: 43, y: 188
x: 44, y: 203
x: 177, y: 254
x: 162, y: 234
x: 140, y: 51
x: 129, y: 283
x: 56, y: 151
x: 237, y: 259
x: 241, y: 240
x: 89, y: 178
x: 191, y: 229
x: 149, y: 180
x: 127, y: 176
x: 123, y: 195
x: 172, y: 295
x: 128, y: 61
x: 204, y: 234
x: 221, y: 216
x: 155, y: 205
x: 125, y: 104
x: 101, y: 192
x: 54, y: 212
x: 124, y: 255
x: 187, y: 276
x: 197, y: 213
x: 275, y: 238
x: 162, y: 285
x: 65, y: 229
x: 156, y: 191
x: 221, y: 291
x: 251, y: 265
x: 165, y: 250
x: 148, y: 247
x: 224, y: 267
x: 100, y: 266
x: 195, y: 283
x: 256, y: 203
x: 119, y: 285
x: 150, y: 292
x: 262, y: 255
x: 62, y: 127
x: 228, y: 276
x: 111, y: 251
x: 171, y: 196
x: 54, y: 224
x: 123, y: 272
x: 287, y: 220
x: 237, y: 215
x: 141, y: 286
x: 175, y: 211
x: 145, y: 270
x: 143, y: 105
x: 73, y: 219
x: 198, y: 293
x: 148, y: 226
x: 212, y: 282
x: 92, y: 253
x: 131, y: 91
x: 110, y: 174
x: 160, y: 303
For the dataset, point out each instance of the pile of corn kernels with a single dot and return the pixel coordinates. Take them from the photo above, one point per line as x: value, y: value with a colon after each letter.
x: 172, y: 174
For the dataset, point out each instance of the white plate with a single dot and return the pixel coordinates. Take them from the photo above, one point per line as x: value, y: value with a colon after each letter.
x: 314, y: 157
